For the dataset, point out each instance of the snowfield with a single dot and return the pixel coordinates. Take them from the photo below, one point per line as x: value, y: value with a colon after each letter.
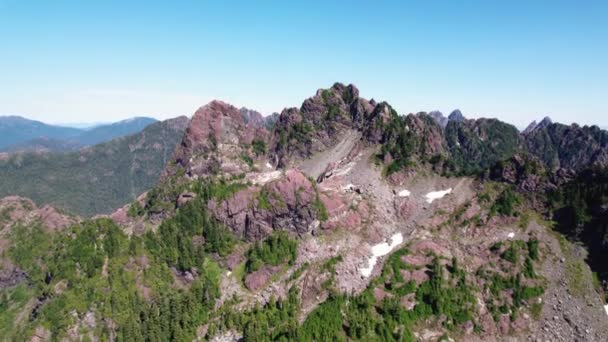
x: 381, y: 250
x: 433, y: 195
x: 404, y: 193
x: 343, y: 170
x: 266, y: 177
x: 348, y: 187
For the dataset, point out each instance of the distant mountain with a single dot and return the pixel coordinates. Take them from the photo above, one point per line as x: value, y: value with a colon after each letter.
x: 96, y: 179
x: 15, y: 130
x: 20, y: 134
x: 45, y: 144
x: 107, y: 132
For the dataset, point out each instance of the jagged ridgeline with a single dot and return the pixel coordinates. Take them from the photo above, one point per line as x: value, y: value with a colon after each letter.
x: 338, y: 220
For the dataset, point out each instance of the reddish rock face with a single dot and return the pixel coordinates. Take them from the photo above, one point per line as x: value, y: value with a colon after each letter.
x: 294, y: 189
x: 215, y: 140
x: 424, y: 126
x: 256, y: 280
x: 284, y: 204
x: 428, y: 246
x: 374, y: 131
x: 252, y: 118
x: 53, y: 219
x: 23, y: 210
x: 380, y: 294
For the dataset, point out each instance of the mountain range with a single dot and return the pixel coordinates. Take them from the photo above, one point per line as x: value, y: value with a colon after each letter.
x: 20, y: 134
x: 340, y: 220
x: 96, y: 179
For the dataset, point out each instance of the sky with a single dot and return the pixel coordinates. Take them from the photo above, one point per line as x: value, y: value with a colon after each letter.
x: 101, y: 61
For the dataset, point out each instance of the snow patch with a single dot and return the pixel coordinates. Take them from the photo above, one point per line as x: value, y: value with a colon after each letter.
x: 266, y: 177
x: 349, y: 187
x: 404, y: 193
x: 268, y: 165
x: 344, y: 170
x: 606, y: 309
x: 229, y: 273
x: 433, y: 195
x: 381, y: 250
x: 511, y: 235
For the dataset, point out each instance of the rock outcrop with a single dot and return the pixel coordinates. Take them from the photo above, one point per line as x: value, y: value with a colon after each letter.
x: 438, y: 116
x: 290, y: 203
x: 217, y: 139
x: 319, y: 123
x: 524, y: 171
x: 15, y: 209
x: 456, y: 116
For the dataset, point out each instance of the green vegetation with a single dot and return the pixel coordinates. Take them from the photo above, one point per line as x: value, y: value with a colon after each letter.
x: 247, y: 159
x: 275, y: 250
x: 497, y: 284
x: 579, y: 210
x: 12, y: 302
x: 344, y: 317
x: 97, y: 255
x: 175, y: 243
x: 259, y: 147
x: 511, y: 254
x: 320, y: 209
x: 135, y: 210
x: 298, y: 272
x: 506, y: 203
x: 94, y: 256
x: 476, y: 146
x: 263, y: 200
x: 400, y: 143
x: 294, y: 136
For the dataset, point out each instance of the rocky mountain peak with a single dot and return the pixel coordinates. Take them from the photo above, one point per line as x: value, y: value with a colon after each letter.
x: 215, y: 138
x: 544, y: 123
x: 568, y: 147
x: 319, y: 122
x: 252, y: 117
x: 439, y: 117
x: 531, y: 126
x: 24, y: 210
x: 456, y: 115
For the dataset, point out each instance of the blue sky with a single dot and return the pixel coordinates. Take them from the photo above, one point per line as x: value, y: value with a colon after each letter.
x: 76, y: 61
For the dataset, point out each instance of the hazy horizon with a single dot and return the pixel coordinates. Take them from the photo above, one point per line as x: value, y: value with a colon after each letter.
x: 68, y: 62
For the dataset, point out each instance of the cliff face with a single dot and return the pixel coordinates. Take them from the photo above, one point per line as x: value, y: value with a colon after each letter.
x: 218, y: 140
x: 319, y: 123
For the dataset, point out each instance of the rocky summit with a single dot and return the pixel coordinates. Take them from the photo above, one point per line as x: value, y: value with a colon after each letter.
x: 340, y: 219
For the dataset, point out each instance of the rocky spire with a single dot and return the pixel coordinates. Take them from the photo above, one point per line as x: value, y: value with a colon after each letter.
x: 544, y: 123
x: 530, y: 127
x: 456, y: 116
x: 439, y: 117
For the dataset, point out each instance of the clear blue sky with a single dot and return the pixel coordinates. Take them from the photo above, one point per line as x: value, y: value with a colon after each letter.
x: 90, y: 61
